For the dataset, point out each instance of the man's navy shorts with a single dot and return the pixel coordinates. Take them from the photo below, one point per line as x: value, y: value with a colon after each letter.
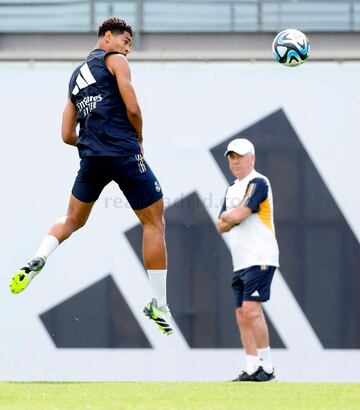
x: 131, y: 173
x: 252, y: 284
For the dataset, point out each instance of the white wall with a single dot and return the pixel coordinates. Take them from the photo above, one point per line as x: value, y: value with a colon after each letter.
x: 187, y: 108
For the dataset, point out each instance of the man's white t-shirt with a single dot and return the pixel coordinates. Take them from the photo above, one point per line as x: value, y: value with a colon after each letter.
x: 253, y: 241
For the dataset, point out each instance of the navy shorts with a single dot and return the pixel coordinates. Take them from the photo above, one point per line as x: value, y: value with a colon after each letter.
x: 131, y: 173
x: 252, y: 283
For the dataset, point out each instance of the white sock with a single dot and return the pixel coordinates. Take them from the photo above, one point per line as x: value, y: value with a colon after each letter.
x: 265, y: 356
x: 47, y: 247
x: 252, y: 363
x: 157, y: 279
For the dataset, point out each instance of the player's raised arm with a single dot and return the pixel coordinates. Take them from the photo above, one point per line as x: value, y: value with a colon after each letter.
x: 119, y: 66
x: 69, y: 122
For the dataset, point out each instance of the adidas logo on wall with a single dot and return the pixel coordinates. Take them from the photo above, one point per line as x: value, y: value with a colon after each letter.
x: 188, y: 222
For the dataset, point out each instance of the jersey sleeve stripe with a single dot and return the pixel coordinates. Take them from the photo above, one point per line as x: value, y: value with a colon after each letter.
x: 249, y: 192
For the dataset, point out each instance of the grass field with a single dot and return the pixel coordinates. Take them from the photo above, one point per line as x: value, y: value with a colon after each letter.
x: 168, y: 396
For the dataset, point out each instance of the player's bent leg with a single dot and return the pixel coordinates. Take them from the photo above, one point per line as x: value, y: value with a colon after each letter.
x: 76, y: 217
x: 77, y: 214
x: 155, y: 261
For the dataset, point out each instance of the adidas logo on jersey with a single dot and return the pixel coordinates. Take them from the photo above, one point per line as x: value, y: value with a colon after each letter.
x: 255, y: 294
x: 84, y: 79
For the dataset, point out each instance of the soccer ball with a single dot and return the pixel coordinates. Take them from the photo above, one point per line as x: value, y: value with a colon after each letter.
x: 291, y: 47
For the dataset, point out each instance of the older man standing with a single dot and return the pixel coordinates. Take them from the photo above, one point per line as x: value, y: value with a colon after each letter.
x: 247, y: 215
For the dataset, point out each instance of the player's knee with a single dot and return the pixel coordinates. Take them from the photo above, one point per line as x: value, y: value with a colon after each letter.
x: 250, y: 311
x: 157, y: 225
x: 76, y: 222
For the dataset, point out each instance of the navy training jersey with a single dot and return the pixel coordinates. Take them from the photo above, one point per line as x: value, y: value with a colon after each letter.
x: 105, y: 129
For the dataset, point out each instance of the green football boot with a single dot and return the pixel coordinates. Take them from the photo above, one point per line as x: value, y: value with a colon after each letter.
x: 160, y: 316
x: 22, y: 278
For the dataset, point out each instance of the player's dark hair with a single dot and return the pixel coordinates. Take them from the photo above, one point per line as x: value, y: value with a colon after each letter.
x: 115, y: 25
